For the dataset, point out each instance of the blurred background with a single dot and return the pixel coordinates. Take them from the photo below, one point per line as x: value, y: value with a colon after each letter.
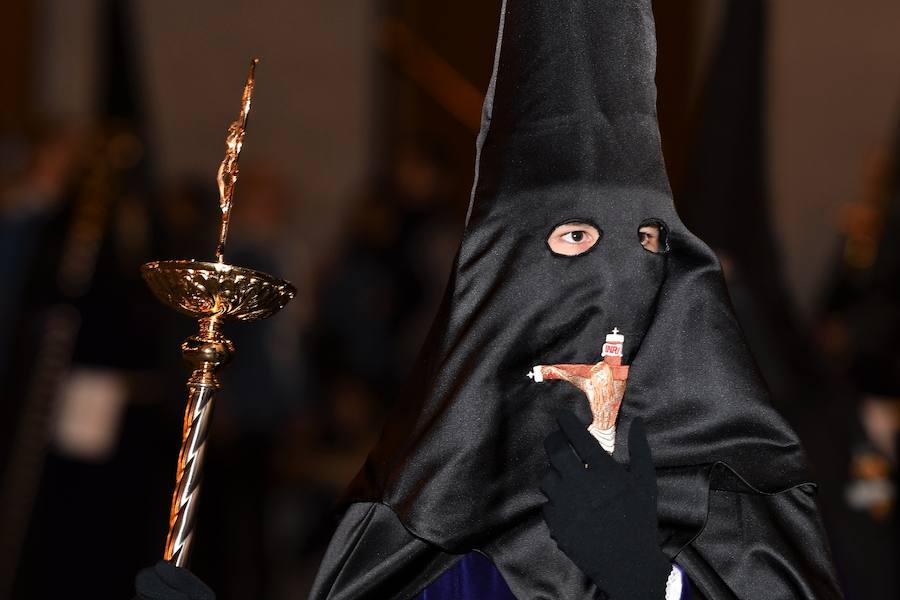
x: 781, y: 129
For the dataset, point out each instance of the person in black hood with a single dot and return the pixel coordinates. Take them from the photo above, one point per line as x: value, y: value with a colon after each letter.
x: 449, y: 504
x: 570, y: 135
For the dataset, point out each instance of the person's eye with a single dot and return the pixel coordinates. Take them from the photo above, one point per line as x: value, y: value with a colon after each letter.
x: 574, y: 238
x: 653, y: 237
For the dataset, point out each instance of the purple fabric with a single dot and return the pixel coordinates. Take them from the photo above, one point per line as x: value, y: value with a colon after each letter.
x: 685, y: 584
x: 474, y: 577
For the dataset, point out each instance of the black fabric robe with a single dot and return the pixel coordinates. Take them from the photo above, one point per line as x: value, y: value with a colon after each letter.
x: 569, y: 132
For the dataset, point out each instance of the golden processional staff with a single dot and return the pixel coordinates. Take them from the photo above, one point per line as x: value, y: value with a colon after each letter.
x: 212, y: 293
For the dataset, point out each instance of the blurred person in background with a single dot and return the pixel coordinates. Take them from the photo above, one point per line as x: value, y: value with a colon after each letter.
x: 34, y: 204
x: 862, y: 307
x: 32, y: 194
x: 379, y: 295
x: 860, y: 329
x: 77, y: 446
x: 77, y: 476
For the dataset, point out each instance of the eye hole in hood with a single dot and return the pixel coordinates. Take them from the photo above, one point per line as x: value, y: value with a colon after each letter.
x: 573, y: 238
x: 653, y: 236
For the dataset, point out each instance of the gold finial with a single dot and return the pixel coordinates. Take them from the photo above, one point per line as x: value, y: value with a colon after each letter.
x: 228, y: 170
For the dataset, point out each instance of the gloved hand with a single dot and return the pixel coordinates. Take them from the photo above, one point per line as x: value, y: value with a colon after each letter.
x: 602, y: 514
x: 165, y: 581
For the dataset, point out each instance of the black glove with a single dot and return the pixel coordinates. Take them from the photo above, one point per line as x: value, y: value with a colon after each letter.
x: 602, y: 515
x: 165, y: 581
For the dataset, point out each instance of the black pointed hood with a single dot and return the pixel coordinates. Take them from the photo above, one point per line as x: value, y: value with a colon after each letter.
x: 572, y: 101
x: 116, y: 292
x: 569, y: 133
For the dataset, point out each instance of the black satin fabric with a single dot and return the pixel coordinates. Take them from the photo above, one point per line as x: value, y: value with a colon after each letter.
x: 373, y: 556
x: 570, y: 133
x: 759, y: 546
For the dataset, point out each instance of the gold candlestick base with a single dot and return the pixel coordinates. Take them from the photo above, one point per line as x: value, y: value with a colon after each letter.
x: 212, y: 293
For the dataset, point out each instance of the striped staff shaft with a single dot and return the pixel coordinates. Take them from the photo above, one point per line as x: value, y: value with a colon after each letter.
x: 207, y: 353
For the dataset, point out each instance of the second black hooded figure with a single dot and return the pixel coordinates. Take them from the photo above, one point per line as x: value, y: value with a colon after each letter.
x: 569, y: 134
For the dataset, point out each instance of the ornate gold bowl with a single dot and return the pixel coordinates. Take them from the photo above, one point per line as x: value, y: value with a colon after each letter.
x: 203, y: 290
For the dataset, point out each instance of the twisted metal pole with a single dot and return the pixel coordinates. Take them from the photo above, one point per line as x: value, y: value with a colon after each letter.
x: 207, y: 353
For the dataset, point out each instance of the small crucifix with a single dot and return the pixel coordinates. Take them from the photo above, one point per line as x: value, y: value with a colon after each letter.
x: 603, y: 384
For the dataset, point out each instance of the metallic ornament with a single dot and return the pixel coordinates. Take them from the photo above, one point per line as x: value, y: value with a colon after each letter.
x: 212, y: 293
x: 602, y: 383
